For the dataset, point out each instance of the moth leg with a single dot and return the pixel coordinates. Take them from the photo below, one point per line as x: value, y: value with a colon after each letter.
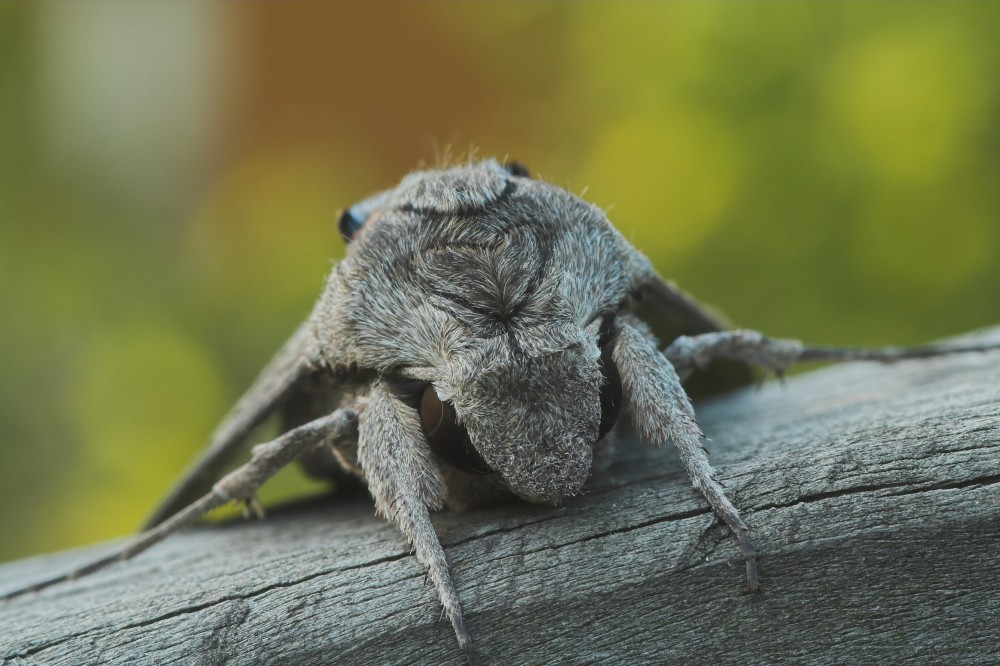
x: 672, y: 312
x: 661, y: 412
x: 289, y: 368
x: 688, y: 354
x: 337, y: 463
x: 406, y: 483
x: 239, y: 485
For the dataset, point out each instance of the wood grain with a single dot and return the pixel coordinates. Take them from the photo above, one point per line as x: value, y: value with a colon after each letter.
x: 873, y: 491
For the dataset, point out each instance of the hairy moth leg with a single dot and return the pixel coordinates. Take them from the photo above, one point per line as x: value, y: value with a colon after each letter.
x: 287, y: 369
x: 689, y: 354
x: 239, y: 485
x: 661, y: 412
x: 406, y: 483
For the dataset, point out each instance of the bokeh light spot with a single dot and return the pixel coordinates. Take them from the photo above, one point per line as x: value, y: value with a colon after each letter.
x: 670, y: 178
x: 268, y: 227
x: 145, y: 397
x: 924, y: 243
x: 910, y: 103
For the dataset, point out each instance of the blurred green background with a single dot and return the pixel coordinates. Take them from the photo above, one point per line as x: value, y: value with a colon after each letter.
x: 171, y: 175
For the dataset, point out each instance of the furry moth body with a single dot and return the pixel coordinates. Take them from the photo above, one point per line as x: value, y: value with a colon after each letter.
x: 478, y: 342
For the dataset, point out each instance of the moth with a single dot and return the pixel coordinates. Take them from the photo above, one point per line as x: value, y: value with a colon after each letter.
x: 479, y: 342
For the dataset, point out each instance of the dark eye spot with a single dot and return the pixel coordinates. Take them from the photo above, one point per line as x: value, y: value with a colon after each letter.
x: 349, y: 225
x: 446, y: 437
x: 517, y: 169
x: 611, y: 387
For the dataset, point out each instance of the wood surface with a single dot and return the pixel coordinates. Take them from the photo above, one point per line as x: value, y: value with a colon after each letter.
x: 873, y: 492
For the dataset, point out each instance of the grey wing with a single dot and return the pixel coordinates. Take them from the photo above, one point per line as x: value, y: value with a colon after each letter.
x: 671, y: 312
x: 290, y: 367
x: 661, y: 304
x: 678, y: 312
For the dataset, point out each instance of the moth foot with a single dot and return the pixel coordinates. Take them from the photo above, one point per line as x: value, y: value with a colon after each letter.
x: 252, y: 506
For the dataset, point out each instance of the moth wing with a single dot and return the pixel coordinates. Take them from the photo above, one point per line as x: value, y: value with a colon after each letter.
x: 288, y: 370
x: 671, y: 312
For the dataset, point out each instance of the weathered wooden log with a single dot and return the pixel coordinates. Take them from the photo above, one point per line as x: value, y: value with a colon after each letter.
x: 873, y: 492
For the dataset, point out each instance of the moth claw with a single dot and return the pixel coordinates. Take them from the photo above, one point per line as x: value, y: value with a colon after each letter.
x: 252, y: 505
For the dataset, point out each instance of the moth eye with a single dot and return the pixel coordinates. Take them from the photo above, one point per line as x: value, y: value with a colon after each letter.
x: 349, y: 225
x: 446, y: 437
x: 517, y: 169
x: 611, y: 386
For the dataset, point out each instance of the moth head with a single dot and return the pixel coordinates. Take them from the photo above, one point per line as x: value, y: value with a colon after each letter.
x: 354, y: 220
x: 472, y: 283
x: 448, y: 191
x: 532, y: 420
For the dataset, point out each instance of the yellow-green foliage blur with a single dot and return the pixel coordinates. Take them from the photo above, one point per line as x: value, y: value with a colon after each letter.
x: 171, y: 175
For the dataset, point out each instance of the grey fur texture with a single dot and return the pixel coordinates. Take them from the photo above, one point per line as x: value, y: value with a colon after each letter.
x: 480, y: 303
x: 462, y: 281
